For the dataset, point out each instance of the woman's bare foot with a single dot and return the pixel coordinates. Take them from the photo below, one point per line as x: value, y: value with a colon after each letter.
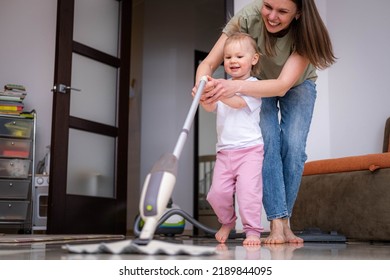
x: 289, y: 235
x: 222, y: 234
x: 277, y: 235
x: 281, y: 233
x: 283, y: 251
x: 252, y: 240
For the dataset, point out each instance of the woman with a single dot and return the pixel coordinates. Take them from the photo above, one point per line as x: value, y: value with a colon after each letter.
x: 294, y: 43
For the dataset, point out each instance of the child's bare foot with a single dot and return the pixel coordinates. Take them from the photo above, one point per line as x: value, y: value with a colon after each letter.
x: 253, y: 252
x: 223, y: 250
x: 223, y: 233
x: 252, y: 240
x: 222, y: 247
x: 276, y: 235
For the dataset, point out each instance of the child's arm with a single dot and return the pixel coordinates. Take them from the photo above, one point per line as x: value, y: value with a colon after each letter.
x: 236, y: 102
x: 209, y: 107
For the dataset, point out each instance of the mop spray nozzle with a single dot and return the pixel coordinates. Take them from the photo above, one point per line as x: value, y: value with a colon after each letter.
x: 156, y: 194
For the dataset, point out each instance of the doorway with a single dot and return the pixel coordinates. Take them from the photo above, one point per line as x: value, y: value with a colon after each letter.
x: 88, y: 168
x: 168, y: 77
x: 205, y: 138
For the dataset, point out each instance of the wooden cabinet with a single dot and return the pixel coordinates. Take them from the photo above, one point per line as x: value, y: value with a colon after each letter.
x: 17, y: 152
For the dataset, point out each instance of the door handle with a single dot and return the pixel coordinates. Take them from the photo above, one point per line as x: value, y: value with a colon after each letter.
x: 63, y: 88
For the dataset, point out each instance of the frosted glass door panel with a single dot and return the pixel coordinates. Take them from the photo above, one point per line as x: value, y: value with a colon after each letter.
x: 91, y: 166
x: 92, y: 18
x: 98, y: 84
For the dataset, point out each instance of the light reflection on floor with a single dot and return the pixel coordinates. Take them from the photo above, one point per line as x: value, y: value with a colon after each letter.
x: 233, y: 250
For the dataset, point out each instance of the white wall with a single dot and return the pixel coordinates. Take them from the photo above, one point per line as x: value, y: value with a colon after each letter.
x: 319, y: 135
x: 27, y: 32
x: 359, y: 96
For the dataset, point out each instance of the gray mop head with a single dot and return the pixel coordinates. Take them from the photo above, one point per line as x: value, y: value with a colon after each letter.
x: 154, y: 247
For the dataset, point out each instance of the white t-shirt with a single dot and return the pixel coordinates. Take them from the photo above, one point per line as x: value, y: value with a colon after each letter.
x: 239, y: 128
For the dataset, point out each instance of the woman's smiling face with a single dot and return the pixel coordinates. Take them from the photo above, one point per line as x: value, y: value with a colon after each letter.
x: 278, y: 14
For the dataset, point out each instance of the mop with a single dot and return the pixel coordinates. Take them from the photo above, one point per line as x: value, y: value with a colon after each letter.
x: 157, y: 190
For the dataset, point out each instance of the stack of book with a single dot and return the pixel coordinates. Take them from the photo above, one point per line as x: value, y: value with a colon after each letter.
x: 11, y: 99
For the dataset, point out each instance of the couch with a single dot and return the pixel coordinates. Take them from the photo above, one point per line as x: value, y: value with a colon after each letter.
x: 349, y: 195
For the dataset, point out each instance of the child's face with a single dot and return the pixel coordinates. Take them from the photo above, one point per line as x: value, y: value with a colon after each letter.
x: 239, y: 57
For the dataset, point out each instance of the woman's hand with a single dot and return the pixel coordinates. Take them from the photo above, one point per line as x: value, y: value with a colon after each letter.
x: 208, y: 87
x: 217, y: 89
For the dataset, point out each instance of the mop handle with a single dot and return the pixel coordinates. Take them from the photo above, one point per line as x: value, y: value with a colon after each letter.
x: 190, y: 116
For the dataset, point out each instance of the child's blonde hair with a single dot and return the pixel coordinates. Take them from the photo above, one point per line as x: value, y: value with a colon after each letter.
x: 240, y: 37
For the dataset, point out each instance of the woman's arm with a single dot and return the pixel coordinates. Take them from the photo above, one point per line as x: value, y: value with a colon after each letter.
x: 292, y: 70
x: 210, y: 64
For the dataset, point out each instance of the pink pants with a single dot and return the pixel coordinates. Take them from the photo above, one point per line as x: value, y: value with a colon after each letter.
x: 238, y: 172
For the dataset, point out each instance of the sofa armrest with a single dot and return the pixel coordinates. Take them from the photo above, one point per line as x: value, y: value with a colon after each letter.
x: 345, y: 164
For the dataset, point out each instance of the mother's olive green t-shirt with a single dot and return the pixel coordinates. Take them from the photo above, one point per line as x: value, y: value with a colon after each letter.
x: 251, y: 22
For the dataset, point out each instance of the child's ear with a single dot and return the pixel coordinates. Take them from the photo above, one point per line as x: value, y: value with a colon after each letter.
x: 255, y: 59
x: 298, y: 15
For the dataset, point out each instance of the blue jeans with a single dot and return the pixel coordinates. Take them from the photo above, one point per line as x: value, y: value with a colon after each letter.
x: 284, y: 146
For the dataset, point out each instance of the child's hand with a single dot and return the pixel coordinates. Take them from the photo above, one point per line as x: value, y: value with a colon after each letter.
x: 217, y: 89
x: 207, y: 88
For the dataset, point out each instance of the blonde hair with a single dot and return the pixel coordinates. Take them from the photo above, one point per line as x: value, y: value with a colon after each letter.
x: 238, y: 36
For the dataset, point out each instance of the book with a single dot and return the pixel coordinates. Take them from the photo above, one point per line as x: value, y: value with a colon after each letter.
x: 11, y: 107
x: 11, y: 98
x: 15, y: 87
x: 22, y: 95
x: 12, y: 113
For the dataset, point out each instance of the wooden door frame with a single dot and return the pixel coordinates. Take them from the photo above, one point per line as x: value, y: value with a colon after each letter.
x: 61, y: 104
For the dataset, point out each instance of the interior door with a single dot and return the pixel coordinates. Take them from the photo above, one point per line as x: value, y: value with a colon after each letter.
x: 88, y: 168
